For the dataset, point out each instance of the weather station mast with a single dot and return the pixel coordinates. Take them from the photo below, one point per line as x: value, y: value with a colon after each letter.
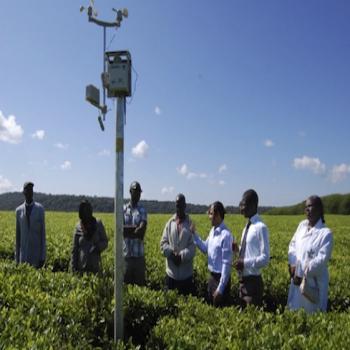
x: 116, y: 80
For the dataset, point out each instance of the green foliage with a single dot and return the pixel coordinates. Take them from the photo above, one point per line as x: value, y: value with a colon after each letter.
x: 333, y: 204
x: 44, y: 310
x: 199, y: 326
x: 143, y: 308
x: 53, y: 309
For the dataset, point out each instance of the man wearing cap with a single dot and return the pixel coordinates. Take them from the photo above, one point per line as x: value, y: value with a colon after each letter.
x: 30, y: 230
x: 178, y: 248
x: 135, y: 224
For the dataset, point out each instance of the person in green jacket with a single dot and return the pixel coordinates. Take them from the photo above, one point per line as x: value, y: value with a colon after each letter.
x: 89, y: 240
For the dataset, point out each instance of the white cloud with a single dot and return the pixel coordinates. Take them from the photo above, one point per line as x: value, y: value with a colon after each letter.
x: 10, y: 131
x: 308, y: 163
x: 191, y: 175
x: 183, y: 170
x: 222, y: 168
x: 157, y: 110
x: 340, y: 172
x: 61, y: 145
x: 222, y: 183
x: 140, y: 150
x: 269, y: 143
x: 39, y: 134
x: 66, y: 165
x: 5, y: 184
x: 104, y: 153
x: 168, y: 190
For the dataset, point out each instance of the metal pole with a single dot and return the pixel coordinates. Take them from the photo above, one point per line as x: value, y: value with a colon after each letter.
x: 104, y: 70
x: 118, y: 215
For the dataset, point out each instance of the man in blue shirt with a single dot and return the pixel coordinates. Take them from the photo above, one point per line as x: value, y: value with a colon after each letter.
x: 218, y: 247
x: 135, y: 224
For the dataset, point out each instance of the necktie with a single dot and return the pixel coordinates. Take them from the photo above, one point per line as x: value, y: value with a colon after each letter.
x: 244, y: 241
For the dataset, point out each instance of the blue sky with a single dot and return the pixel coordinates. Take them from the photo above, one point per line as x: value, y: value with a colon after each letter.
x: 229, y: 95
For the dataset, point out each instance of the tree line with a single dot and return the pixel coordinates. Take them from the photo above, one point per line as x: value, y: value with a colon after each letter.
x: 333, y: 204
x: 69, y: 203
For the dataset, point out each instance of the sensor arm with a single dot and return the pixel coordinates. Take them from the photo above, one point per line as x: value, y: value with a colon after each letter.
x: 103, y: 23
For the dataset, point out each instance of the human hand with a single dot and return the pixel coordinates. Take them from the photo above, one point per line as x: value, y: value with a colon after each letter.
x: 239, y: 264
x: 291, y: 269
x: 235, y: 247
x: 297, y: 280
x: 129, y: 231
x: 137, y: 232
x: 176, y: 258
x: 193, y: 227
x: 92, y: 249
x: 217, y: 298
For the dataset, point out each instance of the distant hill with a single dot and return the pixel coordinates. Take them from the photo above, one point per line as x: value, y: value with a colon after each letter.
x: 58, y: 202
x: 63, y: 202
x: 333, y: 204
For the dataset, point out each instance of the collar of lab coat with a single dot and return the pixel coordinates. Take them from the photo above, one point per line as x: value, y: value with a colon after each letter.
x: 319, y: 224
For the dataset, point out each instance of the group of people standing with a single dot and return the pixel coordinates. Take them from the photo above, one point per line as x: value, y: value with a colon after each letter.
x: 89, y: 238
x: 308, y: 255
x: 180, y: 239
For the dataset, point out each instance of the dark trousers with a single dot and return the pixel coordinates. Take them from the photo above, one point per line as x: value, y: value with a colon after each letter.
x: 251, y: 290
x: 184, y: 287
x: 135, y: 271
x: 213, y: 284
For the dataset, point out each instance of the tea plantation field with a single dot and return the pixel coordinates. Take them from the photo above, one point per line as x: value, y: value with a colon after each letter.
x: 53, y: 309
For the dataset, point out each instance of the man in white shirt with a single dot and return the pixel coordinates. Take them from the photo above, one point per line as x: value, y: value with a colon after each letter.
x: 254, y: 252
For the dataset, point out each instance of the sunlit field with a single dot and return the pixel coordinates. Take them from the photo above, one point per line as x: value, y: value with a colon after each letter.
x: 52, y: 308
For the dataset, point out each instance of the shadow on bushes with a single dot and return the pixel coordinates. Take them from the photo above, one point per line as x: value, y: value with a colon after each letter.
x: 7, y: 255
x: 143, y: 308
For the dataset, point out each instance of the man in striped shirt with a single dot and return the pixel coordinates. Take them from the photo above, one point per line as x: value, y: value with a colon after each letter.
x: 135, y: 224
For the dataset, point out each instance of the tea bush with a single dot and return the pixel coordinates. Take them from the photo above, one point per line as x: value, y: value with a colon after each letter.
x: 53, y: 309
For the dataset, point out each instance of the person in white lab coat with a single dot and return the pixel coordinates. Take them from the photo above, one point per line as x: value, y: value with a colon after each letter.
x: 309, y: 252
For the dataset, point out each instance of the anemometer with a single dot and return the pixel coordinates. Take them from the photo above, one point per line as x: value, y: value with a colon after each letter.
x: 116, y: 76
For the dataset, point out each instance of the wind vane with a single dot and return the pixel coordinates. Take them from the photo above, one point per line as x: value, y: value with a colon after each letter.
x: 114, y: 65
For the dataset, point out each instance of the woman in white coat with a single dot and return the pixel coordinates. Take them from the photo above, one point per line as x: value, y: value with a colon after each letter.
x: 309, y: 252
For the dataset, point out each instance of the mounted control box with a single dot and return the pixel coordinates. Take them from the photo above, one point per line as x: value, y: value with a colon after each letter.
x: 117, y: 81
